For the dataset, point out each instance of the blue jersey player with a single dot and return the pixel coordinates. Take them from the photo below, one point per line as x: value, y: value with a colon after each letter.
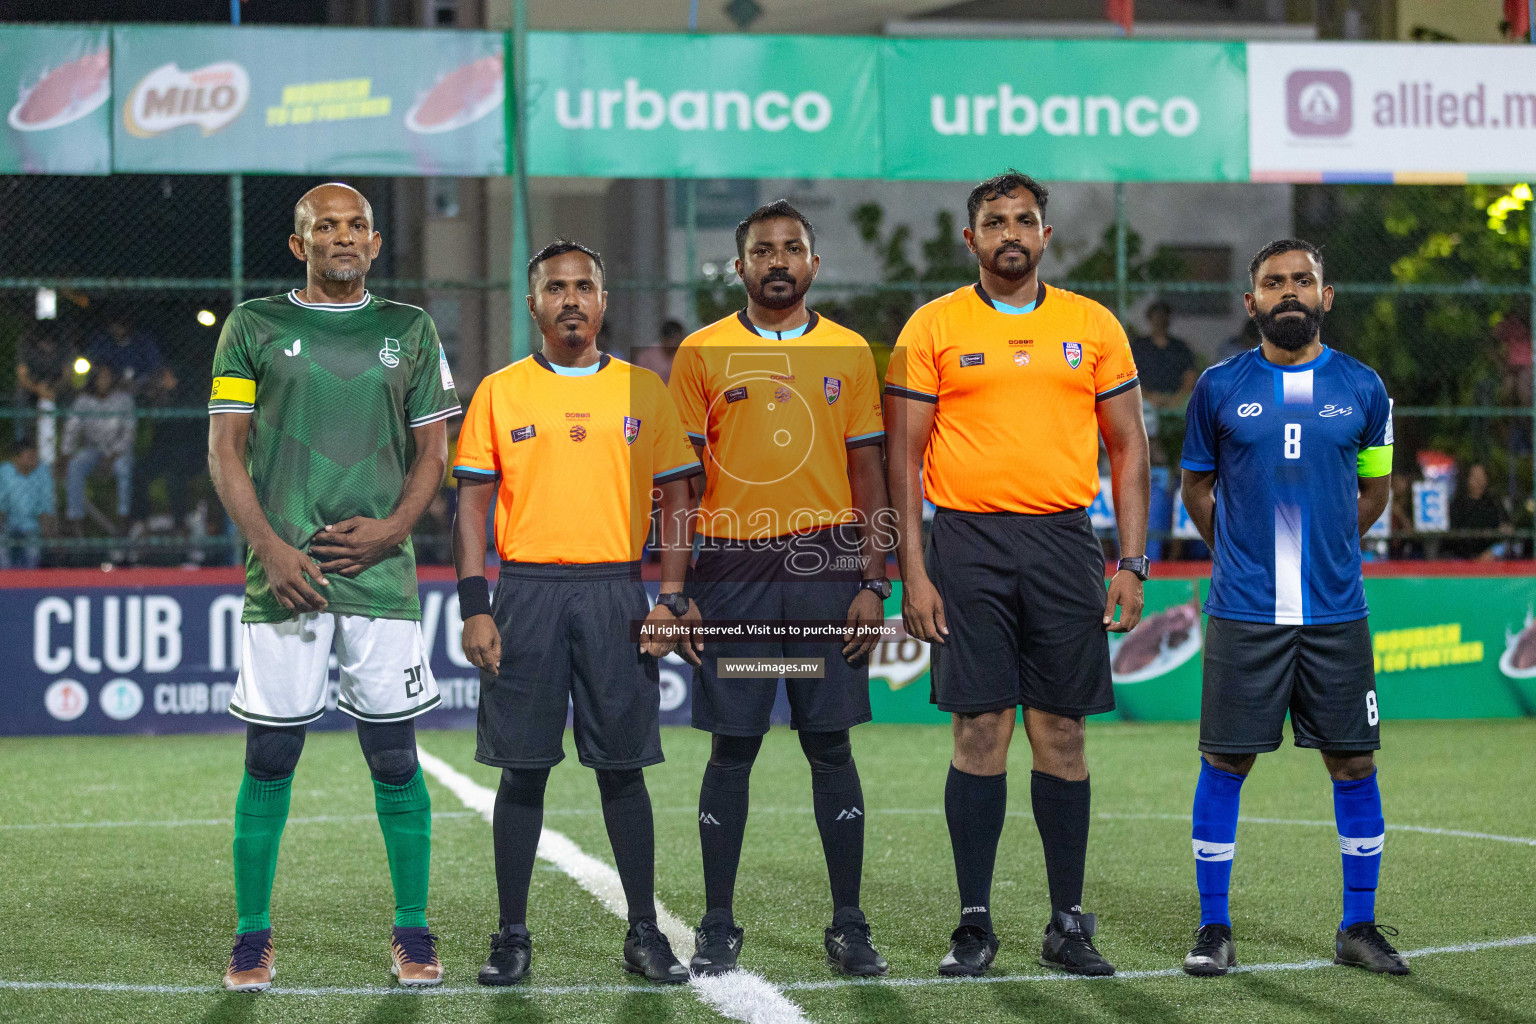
x: 1287, y: 461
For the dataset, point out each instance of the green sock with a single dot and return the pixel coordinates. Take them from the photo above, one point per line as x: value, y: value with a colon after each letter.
x: 261, y: 810
x: 405, y: 817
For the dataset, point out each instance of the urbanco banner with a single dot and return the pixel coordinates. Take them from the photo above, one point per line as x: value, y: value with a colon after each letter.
x: 1065, y: 110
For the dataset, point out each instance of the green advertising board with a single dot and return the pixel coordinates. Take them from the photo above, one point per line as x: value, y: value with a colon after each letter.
x: 1446, y: 647
x: 308, y: 101
x: 679, y: 106
x: 1070, y: 110
x: 56, y: 88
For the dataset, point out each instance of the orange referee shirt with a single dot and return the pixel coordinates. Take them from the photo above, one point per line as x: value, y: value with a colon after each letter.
x: 1015, y: 429
x: 576, y: 456
x: 776, y: 418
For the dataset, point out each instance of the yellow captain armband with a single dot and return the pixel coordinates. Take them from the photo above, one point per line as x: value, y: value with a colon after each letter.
x: 1375, y: 461
x: 233, y: 389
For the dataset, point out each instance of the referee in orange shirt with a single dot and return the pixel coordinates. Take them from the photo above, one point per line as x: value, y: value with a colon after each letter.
x: 571, y: 444
x: 997, y: 394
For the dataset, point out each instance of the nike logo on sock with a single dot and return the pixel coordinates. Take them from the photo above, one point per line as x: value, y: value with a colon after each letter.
x: 1212, y: 852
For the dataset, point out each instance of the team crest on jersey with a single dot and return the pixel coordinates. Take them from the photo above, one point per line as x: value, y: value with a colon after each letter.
x: 1073, y: 350
x: 832, y: 387
x: 631, y: 429
x: 389, y: 355
x: 781, y: 394
x: 1021, y: 358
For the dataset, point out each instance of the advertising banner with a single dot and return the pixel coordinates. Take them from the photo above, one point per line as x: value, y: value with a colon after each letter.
x: 308, y: 101
x: 55, y: 88
x: 1401, y: 113
x: 680, y: 106
x: 1068, y: 110
x: 1446, y: 647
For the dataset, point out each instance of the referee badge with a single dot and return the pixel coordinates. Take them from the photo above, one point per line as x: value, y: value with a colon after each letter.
x: 1074, y: 352
x: 832, y: 387
x: 631, y: 429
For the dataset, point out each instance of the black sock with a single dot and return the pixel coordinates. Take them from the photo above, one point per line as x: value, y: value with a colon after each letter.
x: 975, y: 807
x: 1061, y: 815
x: 632, y: 834
x: 515, y: 828
x: 839, y: 801
x: 723, y: 815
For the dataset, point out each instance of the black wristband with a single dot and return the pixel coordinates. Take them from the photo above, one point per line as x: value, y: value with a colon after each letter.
x: 474, y: 598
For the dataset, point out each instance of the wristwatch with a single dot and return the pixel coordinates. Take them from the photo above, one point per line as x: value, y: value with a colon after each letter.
x: 880, y: 585
x: 1140, y: 565
x: 677, y: 604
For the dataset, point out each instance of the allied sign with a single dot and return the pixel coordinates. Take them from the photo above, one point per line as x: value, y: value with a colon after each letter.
x: 308, y: 101
x: 1406, y: 113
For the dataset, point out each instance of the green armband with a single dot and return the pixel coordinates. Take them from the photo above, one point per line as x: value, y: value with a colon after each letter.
x: 1375, y: 461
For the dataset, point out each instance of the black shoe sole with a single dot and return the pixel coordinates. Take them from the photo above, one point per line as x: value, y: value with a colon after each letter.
x: 1209, y: 972
x: 500, y: 980
x: 872, y: 972
x: 712, y: 971
x: 1395, y: 972
x: 1079, y: 971
x: 632, y: 969
x: 962, y: 971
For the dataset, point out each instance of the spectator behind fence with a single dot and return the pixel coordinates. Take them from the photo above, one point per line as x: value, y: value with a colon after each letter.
x: 40, y: 379
x: 1166, y: 368
x: 1404, y: 542
x: 101, y: 427
x: 28, y: 504
x: 658, y: 358
x: 1245, y: 339
x: 133, y: 355
x: 1474, y: 508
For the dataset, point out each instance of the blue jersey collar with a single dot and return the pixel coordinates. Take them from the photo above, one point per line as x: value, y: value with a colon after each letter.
x: 1311, y: 364
x: 572, y: 371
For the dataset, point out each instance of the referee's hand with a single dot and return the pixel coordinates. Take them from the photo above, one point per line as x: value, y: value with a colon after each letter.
x: 922, y: 611
x: 481, y: 641
x: 1124, y: 591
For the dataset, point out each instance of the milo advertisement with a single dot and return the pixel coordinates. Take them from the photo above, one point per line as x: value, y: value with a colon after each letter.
x: 55, y: 84
x: 298, y: 101
x: 1445, y: 646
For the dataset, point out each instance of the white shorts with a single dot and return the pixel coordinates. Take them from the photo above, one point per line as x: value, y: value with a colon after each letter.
x: 385, y: 674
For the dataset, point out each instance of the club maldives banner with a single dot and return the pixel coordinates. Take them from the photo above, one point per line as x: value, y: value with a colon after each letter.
x: 1065, y: 110
x: 679, y: 106
x: 308, y: 101
x: 55, y: 88
x: 156, y: 654
x: 1391, y: 113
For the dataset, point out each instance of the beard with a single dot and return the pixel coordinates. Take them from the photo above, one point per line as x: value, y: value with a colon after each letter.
x: 758, y: 291
x: 1016, y: 270
x: 345, y: 273
x: 1290, y: 333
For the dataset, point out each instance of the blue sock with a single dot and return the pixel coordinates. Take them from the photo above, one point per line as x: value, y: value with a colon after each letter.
x: 1362, y: 833
x: 1215, y: 839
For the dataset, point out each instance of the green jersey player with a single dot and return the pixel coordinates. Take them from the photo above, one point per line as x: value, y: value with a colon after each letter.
x: 327, y: 440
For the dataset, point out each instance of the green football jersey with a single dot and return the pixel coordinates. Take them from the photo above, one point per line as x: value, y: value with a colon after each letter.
x: 333, y: 393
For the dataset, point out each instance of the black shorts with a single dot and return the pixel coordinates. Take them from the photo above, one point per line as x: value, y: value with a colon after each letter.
x: 1024, y: 601
x: 808, y: 577
x: 1324, y: 675
x: 566, y: 641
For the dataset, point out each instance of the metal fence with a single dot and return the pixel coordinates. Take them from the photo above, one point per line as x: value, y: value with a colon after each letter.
x: 1436, y: 289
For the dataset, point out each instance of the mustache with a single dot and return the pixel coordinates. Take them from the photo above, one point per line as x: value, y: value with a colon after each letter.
x: 778, y: 274
x: 1291, y: 306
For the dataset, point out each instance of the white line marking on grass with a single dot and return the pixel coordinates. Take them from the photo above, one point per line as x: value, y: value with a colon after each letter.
x: 319, y: 819
x: 1421, y: 829
x: 740, y: 995
x: 658, y: 990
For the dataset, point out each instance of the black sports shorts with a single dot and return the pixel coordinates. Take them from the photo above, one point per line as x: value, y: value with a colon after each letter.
x: 812, y: 576
x: 1325, y: 675
x: 1024, y: 601
x: 567, y: 641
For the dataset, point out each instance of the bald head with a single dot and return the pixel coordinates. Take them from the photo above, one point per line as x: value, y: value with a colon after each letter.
x: 326, y: 195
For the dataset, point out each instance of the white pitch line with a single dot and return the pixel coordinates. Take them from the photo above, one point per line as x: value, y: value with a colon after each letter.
x: 1420, y: 829
x: 739, y: 995
x: 799, y: 986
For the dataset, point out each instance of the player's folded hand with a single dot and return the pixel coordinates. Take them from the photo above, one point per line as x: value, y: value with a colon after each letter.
x: 1124, y: 591
x: 352, y: 545
x: 289, y: 572
x: 922, y: 611
x: 865, y: 617
x: 481, y: 641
